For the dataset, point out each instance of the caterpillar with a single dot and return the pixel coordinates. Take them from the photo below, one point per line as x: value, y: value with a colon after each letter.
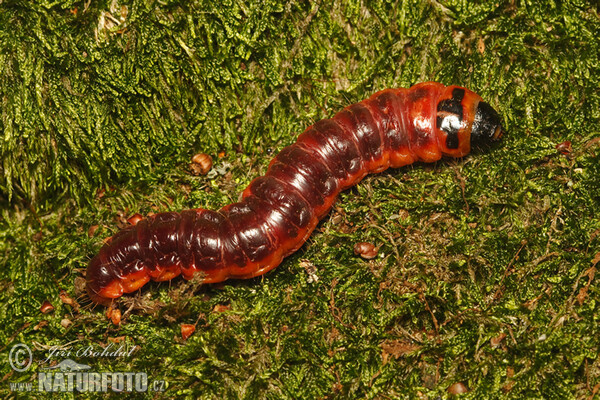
x: 278, y: 211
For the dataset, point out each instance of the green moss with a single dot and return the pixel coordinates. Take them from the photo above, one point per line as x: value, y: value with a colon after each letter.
x: 486, y: 267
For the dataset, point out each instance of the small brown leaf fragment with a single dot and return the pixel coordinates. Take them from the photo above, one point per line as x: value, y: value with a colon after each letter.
x: 201, y: 164
x: 590, y: 272
x: 46, y: 307
x: 337, y: 387
x: 221, y: 308
x: 366, y: 250
x: 396, y: 349
x: 596, y: 259
x: 79, y: 286
x: 510, y: 372
x: 595, y: 390
x: 91, y: 230
x: 65, y: 322
x: 495, y: 341
x: 115, y: 316
x: 310, y: 269
x: 40, y: 325
x: 458, y: 388
x: 66, y: 299
x: 508, y: 386
x: 336, y: 219
x: 582, y: 295
x: 135, y: 218
x: 564, y: 148
x: 481, y: 46
x: 187, y: 330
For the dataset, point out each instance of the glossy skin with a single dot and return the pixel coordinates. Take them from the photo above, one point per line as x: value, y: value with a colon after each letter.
x: 279, y: 211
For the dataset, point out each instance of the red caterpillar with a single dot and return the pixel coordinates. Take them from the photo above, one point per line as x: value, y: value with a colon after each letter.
x: 278, y: 211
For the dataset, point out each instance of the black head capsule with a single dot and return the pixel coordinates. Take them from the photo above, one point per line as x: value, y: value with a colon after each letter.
x: 487, y: 126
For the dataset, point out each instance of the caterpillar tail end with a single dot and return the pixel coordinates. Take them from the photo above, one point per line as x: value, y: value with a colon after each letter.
x: 101, y: 286
x: 106, y: 282
x: 101, y: 297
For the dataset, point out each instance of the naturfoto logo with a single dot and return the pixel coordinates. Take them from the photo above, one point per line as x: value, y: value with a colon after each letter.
x: 68, y: 375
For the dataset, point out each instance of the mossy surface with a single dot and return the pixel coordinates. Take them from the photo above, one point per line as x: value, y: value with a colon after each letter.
x: 486, y: 273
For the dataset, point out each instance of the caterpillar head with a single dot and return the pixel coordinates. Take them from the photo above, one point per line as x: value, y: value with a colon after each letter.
x: 465, y: 121
x: 487, y: 126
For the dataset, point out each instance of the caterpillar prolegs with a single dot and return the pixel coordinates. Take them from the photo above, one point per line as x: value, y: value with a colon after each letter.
x: 278, y: 211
